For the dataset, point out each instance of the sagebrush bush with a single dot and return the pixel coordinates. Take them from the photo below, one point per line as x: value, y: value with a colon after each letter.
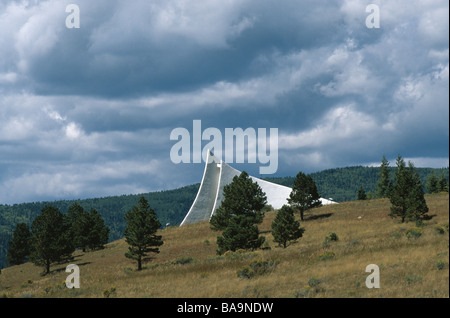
x: 332, y: 237
x: 313, y: 281
x: 446, y: 226
x: 327, y: 255
x: 257, y: 267
x: 414, y: 233
x: 442, y: 265
x: 183, y: 260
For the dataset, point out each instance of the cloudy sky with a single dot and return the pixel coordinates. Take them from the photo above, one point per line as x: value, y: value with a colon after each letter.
x: 88, y: 112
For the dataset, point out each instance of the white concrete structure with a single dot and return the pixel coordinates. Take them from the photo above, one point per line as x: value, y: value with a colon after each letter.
x: 216, y: 176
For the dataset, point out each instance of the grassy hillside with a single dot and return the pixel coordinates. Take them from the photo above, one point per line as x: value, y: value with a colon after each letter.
x: 171, y: 206
x: 189, y: 267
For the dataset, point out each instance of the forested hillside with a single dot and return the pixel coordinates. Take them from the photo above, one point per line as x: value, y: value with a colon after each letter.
x: 342, y: 184
x: 171, y: 206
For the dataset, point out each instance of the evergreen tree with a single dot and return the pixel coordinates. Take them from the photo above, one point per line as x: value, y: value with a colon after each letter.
x: 443, y: 186
x: 407, y: 197
x: 432, y: 184
x: 19, y: 246
x: 98, y: 234
x: 140, y: 233
x: 88, y: 229
x: 238, y: 215
x: 51, y: 238
x: 384, y: 183
x: 241, y: 197
x: 362, y: 194
x: 80, y: 225
x: 304, y: 195
x: 417, y: 206
x: 240, y: 233
x: 284, y: 227
x: 400, y: 190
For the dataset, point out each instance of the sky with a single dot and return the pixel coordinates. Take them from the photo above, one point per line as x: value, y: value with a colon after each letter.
x: 88, y: 111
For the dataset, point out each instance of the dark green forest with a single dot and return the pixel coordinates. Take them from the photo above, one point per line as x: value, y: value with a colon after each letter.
x: 170, y: 206
x: 341, y: 184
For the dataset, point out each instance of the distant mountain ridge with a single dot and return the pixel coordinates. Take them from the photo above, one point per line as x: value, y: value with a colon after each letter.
x: 340, y: 184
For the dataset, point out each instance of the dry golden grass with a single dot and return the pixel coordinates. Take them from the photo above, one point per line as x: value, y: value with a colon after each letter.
x: 408, y: 267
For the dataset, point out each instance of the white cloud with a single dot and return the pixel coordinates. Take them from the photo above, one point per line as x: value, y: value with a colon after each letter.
x: 340, y: 125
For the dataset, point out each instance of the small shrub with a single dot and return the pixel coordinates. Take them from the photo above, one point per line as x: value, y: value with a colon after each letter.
x: 442, y: 265
x: 239, y: 254
x: 328, y: 255
x: 333, y: 237
x: 109, y: 292
x: 246, y: 272
x: 414, y: 233
x: 257, y: 267
x: 313, y: 281
x: 411, y: 279
x: 26, y: 284
x: 446, y: 226
x: 204, y: 275
x: 183, y: 260
x: 439, y: 229
x: 419, y: 223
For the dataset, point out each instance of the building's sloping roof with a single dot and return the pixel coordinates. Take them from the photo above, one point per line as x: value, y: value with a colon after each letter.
x: 216, y: 176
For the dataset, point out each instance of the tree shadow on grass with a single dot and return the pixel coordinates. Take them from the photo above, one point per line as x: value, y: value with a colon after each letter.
x: 317, y: 216
x: 62, y: 269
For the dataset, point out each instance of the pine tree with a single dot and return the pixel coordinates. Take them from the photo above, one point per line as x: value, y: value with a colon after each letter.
x: 240, y: 233
x: 443, y: 186
x: 98, y: 233
x: 140, y: 232
x: 400, y: 191
x: 79, y: 225
x: 417, y: 206
x: 285, y: 228
x: 432, y: 184
x: 304, y: 195
x: 19, y: 246
x: 241, y: 197
x: 51, y: 238
x: 384, y: 183
x: 88, y: 229
x: 407, y: 197
x: 362, y: 194
x: 238, y: 215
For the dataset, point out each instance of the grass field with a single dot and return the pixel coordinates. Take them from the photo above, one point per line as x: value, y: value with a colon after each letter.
x: 188, y: 266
